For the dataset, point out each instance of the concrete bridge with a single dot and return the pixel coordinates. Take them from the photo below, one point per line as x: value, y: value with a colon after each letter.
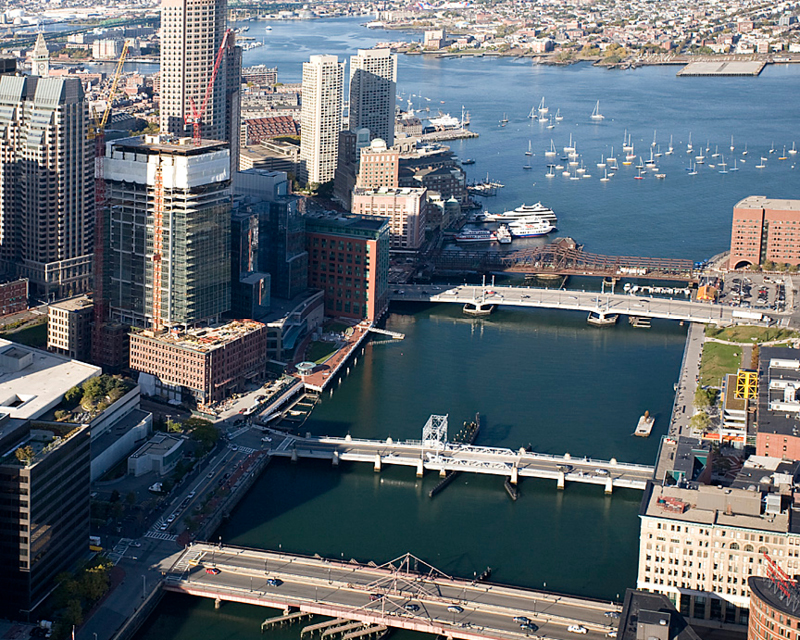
x: 675, y: 308
x: 405, y: 593
x: 435, y: 453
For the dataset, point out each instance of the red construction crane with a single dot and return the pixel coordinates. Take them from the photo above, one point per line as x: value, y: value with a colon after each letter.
x: 197, y: 115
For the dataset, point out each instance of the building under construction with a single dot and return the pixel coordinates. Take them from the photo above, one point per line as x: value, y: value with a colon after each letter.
x: 167, y: 261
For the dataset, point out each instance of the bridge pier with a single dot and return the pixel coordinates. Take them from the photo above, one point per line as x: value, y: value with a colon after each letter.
x: 561, y: 479
x: 442, y: 472
x: 377, y: 466
x: 609, y: 486
x: 294, y: 455
x: 217, y: 603
x: 420, y: 468
x: 335, y: 459
x: 514, y: 474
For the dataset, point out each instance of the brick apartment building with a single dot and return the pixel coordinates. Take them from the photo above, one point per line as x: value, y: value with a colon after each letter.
x: 765, y: 229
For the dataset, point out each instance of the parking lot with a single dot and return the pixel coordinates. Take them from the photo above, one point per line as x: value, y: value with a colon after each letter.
x: 755, y: 291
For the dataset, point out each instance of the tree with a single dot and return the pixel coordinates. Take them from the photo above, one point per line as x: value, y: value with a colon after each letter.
x: 73, y: 397
x: 25, y: 454
x: 700, y: 421
x: 174, y: 427
x: 94, y: 583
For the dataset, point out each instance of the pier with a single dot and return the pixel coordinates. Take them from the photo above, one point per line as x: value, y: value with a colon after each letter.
x: 365, y: 599
x: 434, y: 452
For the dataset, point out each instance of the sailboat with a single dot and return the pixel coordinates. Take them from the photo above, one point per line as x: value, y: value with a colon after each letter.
x: 605, y: 177
x: 552, y: 124
x: 693, y: 172
x: 504, y: 120
x: 641, y: 174
x: 602, y: 163
x: 653, y: 143
x: 701, y: 158
x: 529, y: 152
x: 550, y: 173
x: 527, y: 165
x: 669, y: 151
x: 627, y: 145
x: 734, y: 167
x: 716, y: 152
x: 532, y: 114
x: 793, y: 150
x: 783, y: 157
x: 596, y: 115
x: 651, y: 162
x: 612, y: 160
x: 658, y: 151
x: 571, y: 147
x: 732, y: 147
x: 689, y: 144
x: 744, y: 153
x: 772, y: 148
x: 559, y: 117
x: 552, y: 150
x: 542, y: 108
x: 723, y: 166
x: 762, y: 165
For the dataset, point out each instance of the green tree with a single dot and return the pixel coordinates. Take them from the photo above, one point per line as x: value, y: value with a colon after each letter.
x: 174, y: 427
x: 700, y: 421
x: 701, y: 399
x: 24, y: 454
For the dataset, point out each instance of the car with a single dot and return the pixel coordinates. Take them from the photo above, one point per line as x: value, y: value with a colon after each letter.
x: 192, y: 494
x: 522, y: 619
x: 601, y: 472
x: 410, y: 606
x: 614, y: 615
x: 274, y: 582
x: 136, y: 544
x: 212, y: 570
x: 528, y: 626
x: 171, y: 518
x: 234, y: 447
x: 576, y: 628
x: 454, y: 608
x: 612, y: 634
x: 242, y: 410
x: 375, y: 596
x: 670, y: 441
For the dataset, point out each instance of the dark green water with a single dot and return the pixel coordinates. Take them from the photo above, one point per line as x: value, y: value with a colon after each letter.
x: 542, y: 378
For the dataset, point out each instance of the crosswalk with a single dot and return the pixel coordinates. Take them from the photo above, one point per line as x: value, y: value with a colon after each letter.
x: 118, y: 552
x: 247, y: 450
x: 161, y: 535
x: 239, y: 432
x: 188, y: 560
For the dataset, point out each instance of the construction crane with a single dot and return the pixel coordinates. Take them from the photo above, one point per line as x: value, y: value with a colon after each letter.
x: 196, y: 116
x: 97, y: 131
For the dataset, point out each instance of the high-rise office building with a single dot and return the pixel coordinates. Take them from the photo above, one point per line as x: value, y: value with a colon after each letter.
x: 373, y: 84
x: 46, y: 184
x: 192, y: 32
x: 321, y: 117
x: 168, y: 220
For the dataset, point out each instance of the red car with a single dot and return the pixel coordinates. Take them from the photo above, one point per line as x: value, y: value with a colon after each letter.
x: 212, y: 570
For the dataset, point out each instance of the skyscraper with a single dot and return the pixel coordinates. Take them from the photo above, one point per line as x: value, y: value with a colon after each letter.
x: 169, y: 220
x: 46, y: 184
x: 41, y: 58
x: 373, y: 84
x: 323, y: 78
x: 192, y: 32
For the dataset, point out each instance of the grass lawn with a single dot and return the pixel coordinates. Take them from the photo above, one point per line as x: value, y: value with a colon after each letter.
x: 32, y: 336
x: 718, y: 359
x: 320, y: 351
x: 336, y: 327
x: 746, y: 334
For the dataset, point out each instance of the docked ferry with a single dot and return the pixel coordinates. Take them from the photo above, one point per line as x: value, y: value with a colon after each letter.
x: 532, y: 212
x: 530, y: 228
x: 476, y: 235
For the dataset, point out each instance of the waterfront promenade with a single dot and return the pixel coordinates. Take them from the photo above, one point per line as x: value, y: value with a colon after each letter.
x: 380, y: 595
x: 571, y: 300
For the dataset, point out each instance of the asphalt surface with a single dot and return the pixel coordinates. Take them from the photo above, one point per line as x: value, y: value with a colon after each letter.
x: 380, y: 595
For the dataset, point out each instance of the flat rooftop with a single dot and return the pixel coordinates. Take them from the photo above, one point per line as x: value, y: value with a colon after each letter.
x: 723, y: 68
x: 204, y: 339
x: 763, y: 202
x: 34, y: 381
x: 778, y: 384
x: 167, y: 144
x: 344, y: 223
x: 159, y: 445
x: 119, y: 429
x: 77, y: 303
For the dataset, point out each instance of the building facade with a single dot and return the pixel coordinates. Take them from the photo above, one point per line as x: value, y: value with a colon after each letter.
x: 205, y: 364
x: 13, y: 296
x: 192, y: 32
x: 406, y: 209
x: 168, y: 222
x: 45, y: 527
x: 778, y: 435
x: 765, y: 230
x: 773, y: 613
x: 373, y: 90
x: 46, y: 184
x: 378, y: 167
x: 349, y: 261
x: 321, y: 119
x: 69, y: 328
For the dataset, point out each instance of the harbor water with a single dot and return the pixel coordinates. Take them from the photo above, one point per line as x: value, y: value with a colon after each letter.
x: 539, y: 378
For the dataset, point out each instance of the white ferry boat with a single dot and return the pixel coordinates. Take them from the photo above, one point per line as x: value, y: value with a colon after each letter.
x: 530, y: 229
x: 503, y: 235
x: 524, y: 212
x: 476, y: 235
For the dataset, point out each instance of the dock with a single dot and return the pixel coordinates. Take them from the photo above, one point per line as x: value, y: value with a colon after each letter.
x: 288, y: 618
x: 723, y: 68
x: 644, y: 426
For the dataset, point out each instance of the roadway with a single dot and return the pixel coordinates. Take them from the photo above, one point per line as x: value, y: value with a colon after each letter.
x: 379, y: 595
x: 467, y: 458
x: 567, y: 299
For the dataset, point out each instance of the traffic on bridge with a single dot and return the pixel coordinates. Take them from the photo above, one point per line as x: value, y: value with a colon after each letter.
x: 405, y: 593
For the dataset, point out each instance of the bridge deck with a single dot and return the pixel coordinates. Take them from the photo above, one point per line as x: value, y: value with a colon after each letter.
x: 467, y: 458
x: 446, y: 606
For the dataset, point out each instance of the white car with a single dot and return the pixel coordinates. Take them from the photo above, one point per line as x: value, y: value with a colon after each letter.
x: 576, y: 628
x: 454, y: 608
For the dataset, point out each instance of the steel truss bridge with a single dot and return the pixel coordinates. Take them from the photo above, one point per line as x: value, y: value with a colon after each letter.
x: 564, y: 257
x: 406, y: 593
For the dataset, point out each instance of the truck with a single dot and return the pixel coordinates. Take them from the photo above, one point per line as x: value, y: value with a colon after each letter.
x: 741, y: 314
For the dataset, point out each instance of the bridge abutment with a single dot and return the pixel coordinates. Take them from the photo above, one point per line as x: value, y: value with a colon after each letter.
x: 377, y: 465
x: 561, y: 480
x: 420, y: 468
x: 609, y: 486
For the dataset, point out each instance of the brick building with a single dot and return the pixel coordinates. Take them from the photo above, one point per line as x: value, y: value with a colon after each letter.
x: 405, y: 209
x: 765, y: 230
x: 778, y: 403
x: 13, y: 296
x: 349, y: 261
x: 207, y: 364
x: 69, y: 327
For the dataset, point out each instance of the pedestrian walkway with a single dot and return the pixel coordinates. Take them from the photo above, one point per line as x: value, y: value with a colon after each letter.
x: 683, y: 409
x: 161, y: 535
